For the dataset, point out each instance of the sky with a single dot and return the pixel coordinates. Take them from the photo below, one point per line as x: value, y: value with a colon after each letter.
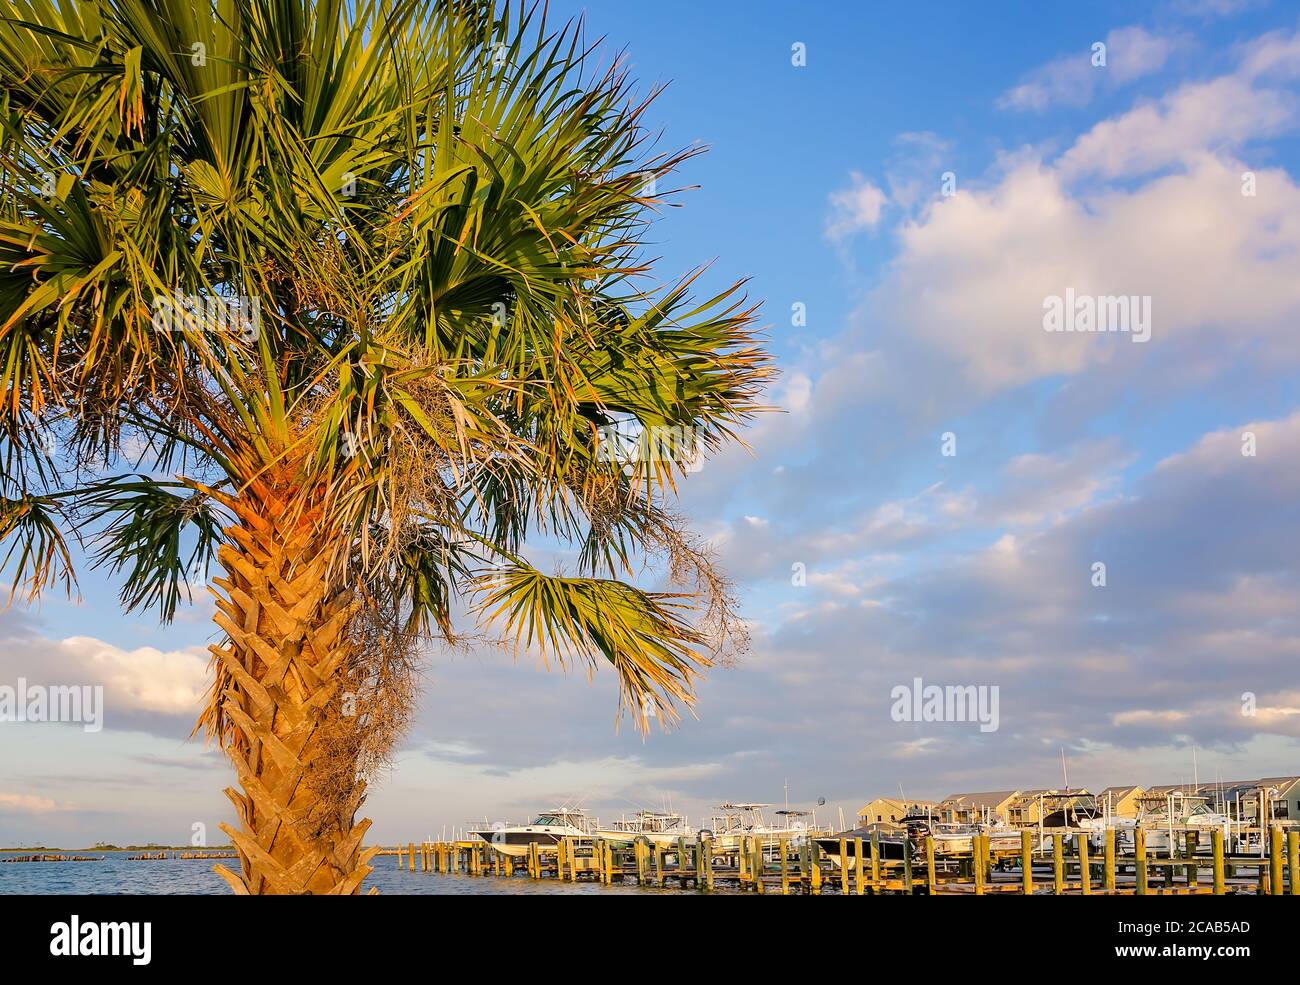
x: 906, y: 188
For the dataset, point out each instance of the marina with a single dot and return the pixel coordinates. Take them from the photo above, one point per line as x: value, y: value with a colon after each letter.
x: 1063, y: 864
x: 1221, y: 839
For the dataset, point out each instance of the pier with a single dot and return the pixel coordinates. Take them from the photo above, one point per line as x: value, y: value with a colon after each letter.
x: 1062, y: 864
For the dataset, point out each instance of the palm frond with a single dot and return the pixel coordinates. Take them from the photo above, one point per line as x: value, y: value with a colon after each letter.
x: 645, y: 636
x: 161, y: 540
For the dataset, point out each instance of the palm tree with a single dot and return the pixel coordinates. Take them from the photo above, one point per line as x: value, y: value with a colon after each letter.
x: 351, y: 299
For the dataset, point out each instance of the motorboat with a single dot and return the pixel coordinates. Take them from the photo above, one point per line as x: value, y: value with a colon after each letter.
x: 1162, y: 829
x: 658, y: 827
x: 889, y: 838
x: 548, y: 829
x: 746, y: 821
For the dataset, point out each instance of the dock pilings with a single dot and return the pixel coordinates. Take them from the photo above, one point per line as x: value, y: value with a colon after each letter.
x: 1184, y: 864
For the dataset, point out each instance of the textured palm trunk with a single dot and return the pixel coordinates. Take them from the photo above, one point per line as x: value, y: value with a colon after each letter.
x: 280, y: 691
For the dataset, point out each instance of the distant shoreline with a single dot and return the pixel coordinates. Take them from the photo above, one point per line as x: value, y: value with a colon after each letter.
x: 29, y: 849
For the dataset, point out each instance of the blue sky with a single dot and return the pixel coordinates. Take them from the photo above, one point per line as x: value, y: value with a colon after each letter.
x: 824, y: 186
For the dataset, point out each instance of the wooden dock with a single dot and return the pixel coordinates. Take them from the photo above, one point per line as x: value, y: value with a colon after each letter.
x: 784, y: 867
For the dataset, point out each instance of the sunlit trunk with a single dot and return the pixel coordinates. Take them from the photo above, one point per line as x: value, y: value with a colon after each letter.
x: 283, y: 703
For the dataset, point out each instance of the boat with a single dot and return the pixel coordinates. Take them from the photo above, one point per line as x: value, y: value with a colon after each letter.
x: 548, y: 829
x: 1124, y: 827
x: 889, y: 837
x: 658, y: 827
x: 746, y: 821
x: 1159, y: 825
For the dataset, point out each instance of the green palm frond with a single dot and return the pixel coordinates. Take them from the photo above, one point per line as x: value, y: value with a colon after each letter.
x: 644, y: 636
x: 36, y: 552
x: 161, y: 540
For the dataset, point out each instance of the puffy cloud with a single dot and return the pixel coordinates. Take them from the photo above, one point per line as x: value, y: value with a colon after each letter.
x: 25, y: 803
x: 855, y: 208
x: 1219, y: 115
x: 144, y: 687
x: 973, y: 274
x: 1131, y: 53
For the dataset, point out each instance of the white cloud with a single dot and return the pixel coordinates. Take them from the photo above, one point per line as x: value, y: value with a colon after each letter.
x: 1218, y: 115
x: 855, y: 208
x: 1131, y: 54
x: 25, y: 803
x: 143, y: 680
x: 973, y: 273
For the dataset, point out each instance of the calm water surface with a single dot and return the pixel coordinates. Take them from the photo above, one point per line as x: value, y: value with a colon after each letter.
x: 195, y: 876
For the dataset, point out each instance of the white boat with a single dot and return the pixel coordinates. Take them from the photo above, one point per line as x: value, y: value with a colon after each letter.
x: 739, y: 821
x: 658, y: 827
x: 1096, y: 829
x: 1199, y: 818
x: 549, y: 829
x: 952, y: 838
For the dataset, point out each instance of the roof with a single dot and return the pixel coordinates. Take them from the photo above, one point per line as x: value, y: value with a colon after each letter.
x: 988, y: 798
x: 1123, y: 791
x: 1277, y: 781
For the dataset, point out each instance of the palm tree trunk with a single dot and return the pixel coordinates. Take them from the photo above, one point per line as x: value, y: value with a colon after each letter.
x: 279, y: 704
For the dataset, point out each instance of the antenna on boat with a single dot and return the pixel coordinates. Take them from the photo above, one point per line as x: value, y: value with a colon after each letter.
x: 1064, y: 771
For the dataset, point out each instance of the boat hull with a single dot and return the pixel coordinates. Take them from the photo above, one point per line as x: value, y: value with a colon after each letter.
x: 515, y: 843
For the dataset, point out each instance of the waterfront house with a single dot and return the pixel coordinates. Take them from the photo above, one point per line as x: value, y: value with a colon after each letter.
x: 886, y: 809
x: 1284, y: 797
x: 1028, y: 807
x: 1240, y: 799
x: 968, y: 808
x: 1120, y: 801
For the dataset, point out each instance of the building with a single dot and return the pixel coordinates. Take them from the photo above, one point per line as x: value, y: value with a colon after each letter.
x: 886, y: 809
x: 969, y: 808
x: 1240, y: 799
x: 1284, y: 797
x: 1029, y: 807
x: 1120, y: 801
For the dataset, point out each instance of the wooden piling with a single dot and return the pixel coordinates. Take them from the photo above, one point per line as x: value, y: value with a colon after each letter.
x: 1216, y: 846
x: 1085, y: 873
x: 844, y: 867
x: 815, y: 866
x: 785, y: 869
x: 1140, y: 859
x: 907, y: 866
x: 1026, y: 862
x: 1058, y: 863
x: 1108, y: 863
x: 1275, y: 860
x: 875, y: 861
x: 859, y: 866
x: 932, y: 883
x: 1293, y: 860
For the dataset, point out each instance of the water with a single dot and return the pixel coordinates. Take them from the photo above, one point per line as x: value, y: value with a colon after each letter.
x: 195, y: 877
